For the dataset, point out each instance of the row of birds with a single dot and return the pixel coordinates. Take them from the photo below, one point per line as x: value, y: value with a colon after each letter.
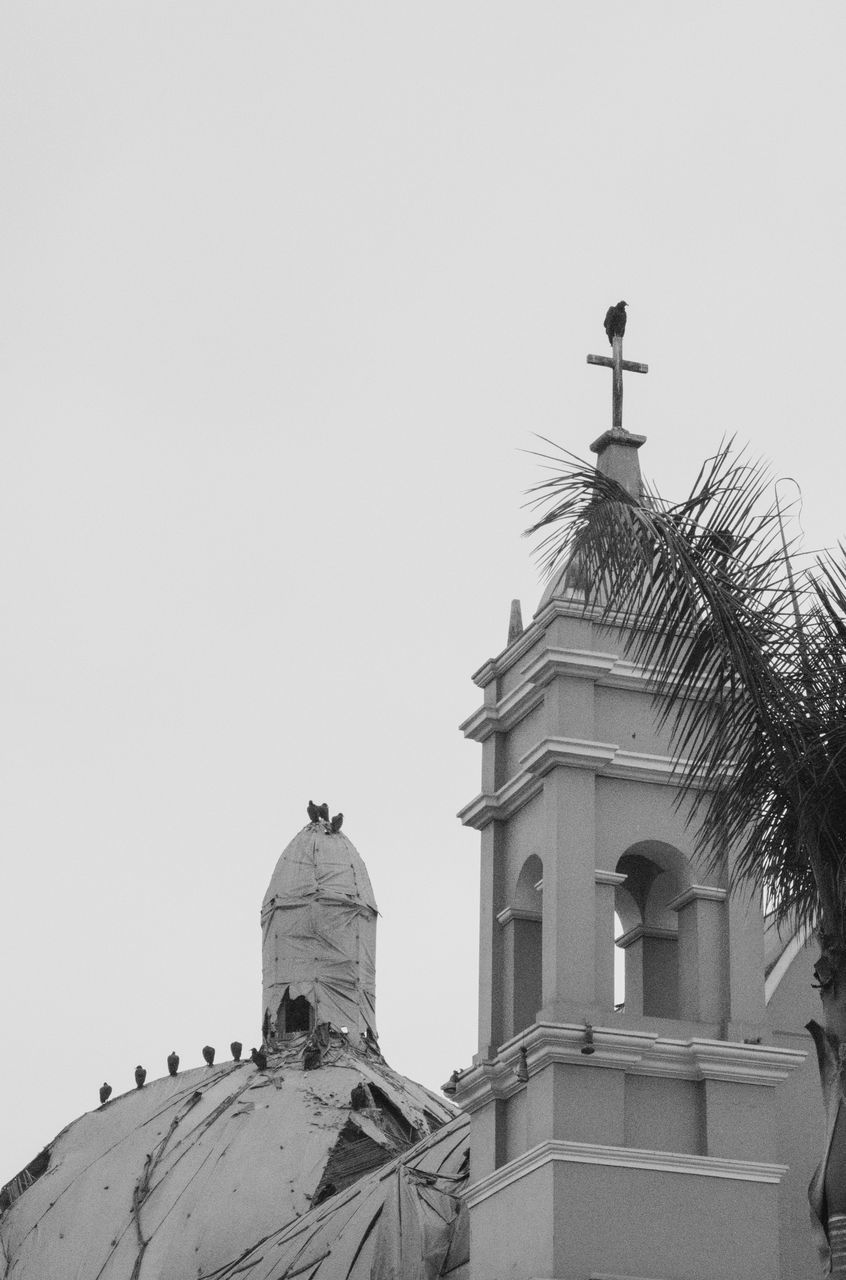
x: 321, y: 812
x: 258, y: 1056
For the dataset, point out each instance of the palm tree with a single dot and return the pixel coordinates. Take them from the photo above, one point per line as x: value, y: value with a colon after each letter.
x: 748, y: 658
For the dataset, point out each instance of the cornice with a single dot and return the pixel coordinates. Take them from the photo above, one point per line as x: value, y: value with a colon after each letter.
x: 502, y: 717
x: 646, y: 931
x: 610, y: 877
x: 518, y: 913
x: 497, y: 806
x: 576, y: 753
x: 639, y: 1052
x: 605, y: 759
x: 559, y: 1150
x: 584, y: 664
x: 697, y: 893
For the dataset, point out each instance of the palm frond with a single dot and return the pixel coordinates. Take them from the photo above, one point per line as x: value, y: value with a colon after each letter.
x: 746, y: 659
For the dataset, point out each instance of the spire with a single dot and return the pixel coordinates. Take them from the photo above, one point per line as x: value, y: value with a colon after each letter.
x: 616, y: 450
x: 318, y: 924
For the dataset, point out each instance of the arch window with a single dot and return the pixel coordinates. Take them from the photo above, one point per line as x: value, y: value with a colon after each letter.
x: 522, y: 922
x: 655, y: 874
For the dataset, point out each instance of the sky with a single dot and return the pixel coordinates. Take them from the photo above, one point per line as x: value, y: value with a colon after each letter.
x: 289, y: 293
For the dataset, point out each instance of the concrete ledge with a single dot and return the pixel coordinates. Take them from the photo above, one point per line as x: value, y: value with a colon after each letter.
x: 557, y: 1150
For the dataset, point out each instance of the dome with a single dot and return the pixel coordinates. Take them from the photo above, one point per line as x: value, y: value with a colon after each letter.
x: 318, y: 923
x: 190, y: 1172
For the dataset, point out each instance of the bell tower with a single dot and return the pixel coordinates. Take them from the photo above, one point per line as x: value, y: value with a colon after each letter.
x: 609, y: 1140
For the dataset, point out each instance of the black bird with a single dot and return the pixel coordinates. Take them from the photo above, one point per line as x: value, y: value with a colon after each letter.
x: 208, y: 1054
x: 173, y: 1062
x: 323, y: 811
x: 140, y: 1077
x: 337, y: 822
x: 235, y: 1049
x: 259, y: 1057
x: 312, y: 811
x: 360, y: 1097
x: 105, y: 1092
x: 615, y: 321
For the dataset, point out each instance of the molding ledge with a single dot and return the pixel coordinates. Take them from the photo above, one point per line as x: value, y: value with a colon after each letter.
x: 646, y: 931
x: 697, y: 893
x: 559, y: 1150
x: 610, y: 877
x: 518, y: 913
x: 616, y: 1048
x: 605, y: 759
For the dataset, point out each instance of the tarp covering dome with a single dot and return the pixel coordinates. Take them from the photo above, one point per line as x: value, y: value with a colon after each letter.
x: 174, y: 1180
x: 318, y: 925
x: 406, y: 1221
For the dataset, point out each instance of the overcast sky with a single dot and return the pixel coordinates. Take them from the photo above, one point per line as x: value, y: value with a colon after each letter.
x: 286, y: 290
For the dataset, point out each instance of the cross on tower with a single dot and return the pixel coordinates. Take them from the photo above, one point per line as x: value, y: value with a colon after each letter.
x: 618, y: 364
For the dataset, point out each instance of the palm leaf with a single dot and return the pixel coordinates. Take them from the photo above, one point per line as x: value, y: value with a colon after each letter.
x: 746, y: 661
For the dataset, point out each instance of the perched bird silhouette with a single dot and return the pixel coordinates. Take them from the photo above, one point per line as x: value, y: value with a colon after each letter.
x: 312, y: 811
x: 208, y: 1054
x: 105, y: 1092
x: 323, y: 811
x: 173, y: 1062
x: 140, y: 1077
x: 360, y: 1097
x: 259, y: 1057
x: 337, y: 822
x: 235, y: 1049
x: 615, y: 321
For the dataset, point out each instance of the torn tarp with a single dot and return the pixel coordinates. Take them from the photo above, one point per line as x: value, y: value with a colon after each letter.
x: 319, y: 931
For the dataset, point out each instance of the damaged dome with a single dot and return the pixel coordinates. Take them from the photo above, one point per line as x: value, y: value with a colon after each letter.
x: 182, y: 1176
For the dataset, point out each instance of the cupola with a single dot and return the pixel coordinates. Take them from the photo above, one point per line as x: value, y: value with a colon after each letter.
x: 318, y: 923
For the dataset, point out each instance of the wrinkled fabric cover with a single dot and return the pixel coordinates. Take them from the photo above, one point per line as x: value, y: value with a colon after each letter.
x: 406, y: 1221
x: 829, y: 1064
x: 319, y: 931
x: 180, y: 1177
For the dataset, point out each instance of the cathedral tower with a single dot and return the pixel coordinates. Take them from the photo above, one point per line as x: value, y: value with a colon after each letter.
x: 628, y: 1139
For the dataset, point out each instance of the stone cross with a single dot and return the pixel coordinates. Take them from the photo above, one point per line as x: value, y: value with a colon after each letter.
x: 618, y: 364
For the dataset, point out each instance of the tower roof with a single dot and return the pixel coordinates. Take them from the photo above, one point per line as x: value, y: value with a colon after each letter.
x: 616, y: 458
x: 318, y: 923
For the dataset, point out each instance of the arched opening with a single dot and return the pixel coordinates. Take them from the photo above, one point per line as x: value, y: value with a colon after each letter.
x: 294, y: 1015
x: 527, y: 930
x: 655, y: 874
x: 619, y: 966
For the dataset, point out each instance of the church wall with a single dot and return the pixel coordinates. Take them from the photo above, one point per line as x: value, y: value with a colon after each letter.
x: 628, y: 812
x: 524, y: 735
x: 665, y: 1115
x: 523, y: 836
x: 623, y: 1221
x: 627, y: 718
x: 509, y: 1232
x: 515, y: 1125
x: 799, y: 1115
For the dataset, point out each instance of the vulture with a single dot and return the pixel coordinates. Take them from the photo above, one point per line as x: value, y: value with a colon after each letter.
x: 208, y: 1054
x: 615, y: 321
x: 105, y: 1092
x: 323, y: 811
x: 173, y: 1062
x: 235, y: 1049
x: 312, y: 811
x: 360, y: 1097
x: 140, y: 1077
x: 337, y: 822
x: 259, y: 1057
